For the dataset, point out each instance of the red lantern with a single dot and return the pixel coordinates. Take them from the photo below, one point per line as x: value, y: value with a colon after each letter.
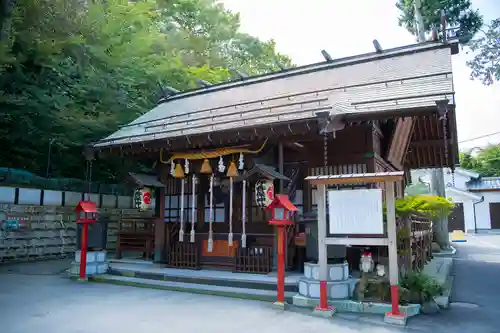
x: 86, y: 214
x: 283, y: 210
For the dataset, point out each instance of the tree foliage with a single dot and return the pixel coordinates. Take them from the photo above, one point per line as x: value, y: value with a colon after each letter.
x: 459, y: 14
x: 486, y: 162
x: 485, y: 65
x: 72, y: 71
x: 431, y: 206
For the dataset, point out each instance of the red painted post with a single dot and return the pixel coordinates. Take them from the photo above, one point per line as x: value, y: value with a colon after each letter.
x: 83, y: 250
x: 395, y: 300
x: 281, y: 265
x: 323, y: 297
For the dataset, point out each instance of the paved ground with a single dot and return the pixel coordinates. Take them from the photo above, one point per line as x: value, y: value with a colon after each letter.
x: 34, y: 299
x: 49, y: 304
x: 476, y: 282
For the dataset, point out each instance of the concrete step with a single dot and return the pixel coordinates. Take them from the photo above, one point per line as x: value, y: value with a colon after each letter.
x: 196, y: 288
x: 202, y: 277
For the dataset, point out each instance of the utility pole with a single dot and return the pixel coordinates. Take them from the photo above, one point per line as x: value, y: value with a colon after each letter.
x: 437, y: 177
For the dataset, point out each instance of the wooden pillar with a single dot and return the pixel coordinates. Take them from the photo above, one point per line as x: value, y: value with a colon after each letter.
x: 322, y: 249
x: 159, y: 254
x: 393, y: 246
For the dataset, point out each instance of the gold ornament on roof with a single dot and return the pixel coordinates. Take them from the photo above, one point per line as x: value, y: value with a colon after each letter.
x: 213, y: 153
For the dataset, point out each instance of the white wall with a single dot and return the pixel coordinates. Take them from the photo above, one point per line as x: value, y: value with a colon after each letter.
x: 470, y: 226
x: 468, y: 205
x: 483, y: 219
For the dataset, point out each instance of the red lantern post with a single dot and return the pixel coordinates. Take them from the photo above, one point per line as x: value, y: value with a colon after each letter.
x: 282, y: 209
x: 86, y: 214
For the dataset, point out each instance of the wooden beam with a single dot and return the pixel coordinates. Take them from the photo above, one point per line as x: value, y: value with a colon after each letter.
x: 357, y: 241
x: 399, y: 142
x: 356, y: 178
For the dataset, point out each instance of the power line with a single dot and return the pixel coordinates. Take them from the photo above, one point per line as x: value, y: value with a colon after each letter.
x: 479, y: 137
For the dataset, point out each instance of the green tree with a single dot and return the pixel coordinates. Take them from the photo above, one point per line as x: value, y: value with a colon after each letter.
x: 73, y: 71
x: 459, y: 14
x: 486, y: 162
x: 485, y: 65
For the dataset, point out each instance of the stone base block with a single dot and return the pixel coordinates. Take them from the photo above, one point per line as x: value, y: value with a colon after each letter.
x: 279, y: 305
x: 336, y: 272
x: 335, y: 289
x: 409, y: 310
x: 93, y: 268
x: 392, y: 319
x: 92, y: 256
x: 326, y: 313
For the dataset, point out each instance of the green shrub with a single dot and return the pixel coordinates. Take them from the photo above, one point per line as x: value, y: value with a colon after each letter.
x: 430, y: 206
x: 421, y: 287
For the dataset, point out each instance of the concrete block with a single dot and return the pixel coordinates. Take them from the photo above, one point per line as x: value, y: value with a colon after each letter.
x: 94, y: 268
x: 336, y: 289
x: 52, y: 198
x: 101, y: 256
x: 279, y: 305
x: 324, y: 313
x: 92, y: 256
x: 124, y: 202
x: 336, y: 272
x: 399, y: 320
x: 409, y: 310
x: 7, y: 194
x: 71, y: 199
x: 29, y: 196
x: 109, y: 201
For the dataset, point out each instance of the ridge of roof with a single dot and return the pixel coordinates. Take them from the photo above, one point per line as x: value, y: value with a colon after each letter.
x: 304, y: 69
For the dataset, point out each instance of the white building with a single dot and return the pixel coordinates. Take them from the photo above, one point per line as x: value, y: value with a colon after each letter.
x: 477, y: 199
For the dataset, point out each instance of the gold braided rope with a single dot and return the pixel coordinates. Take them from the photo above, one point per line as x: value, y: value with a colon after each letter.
x: 212, y: 153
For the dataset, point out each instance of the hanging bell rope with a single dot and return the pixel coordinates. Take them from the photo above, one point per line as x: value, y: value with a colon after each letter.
x: 230, y: 235
x: 193, y: 210
x: 186, y: 166
x: 213, y: 153
x: 243, y: 215
x: 181, y: 230
x: 211, y: 215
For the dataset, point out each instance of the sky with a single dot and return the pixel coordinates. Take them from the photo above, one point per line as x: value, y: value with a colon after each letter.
x: 302, y: 29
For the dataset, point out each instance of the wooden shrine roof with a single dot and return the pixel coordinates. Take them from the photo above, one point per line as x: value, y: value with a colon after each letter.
x: 394, y: 80
x: 142, y: 179
x: 377, y: 177
x: 262, y: 170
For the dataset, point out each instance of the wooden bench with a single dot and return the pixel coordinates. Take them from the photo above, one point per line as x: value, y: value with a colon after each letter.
x: 135, y: 234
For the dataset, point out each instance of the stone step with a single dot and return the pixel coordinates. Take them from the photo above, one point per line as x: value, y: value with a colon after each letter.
x: 203, y: 277
x: 196, y: 288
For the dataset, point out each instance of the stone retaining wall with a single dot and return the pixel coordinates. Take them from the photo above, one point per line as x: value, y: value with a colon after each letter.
x: 48, y: 232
